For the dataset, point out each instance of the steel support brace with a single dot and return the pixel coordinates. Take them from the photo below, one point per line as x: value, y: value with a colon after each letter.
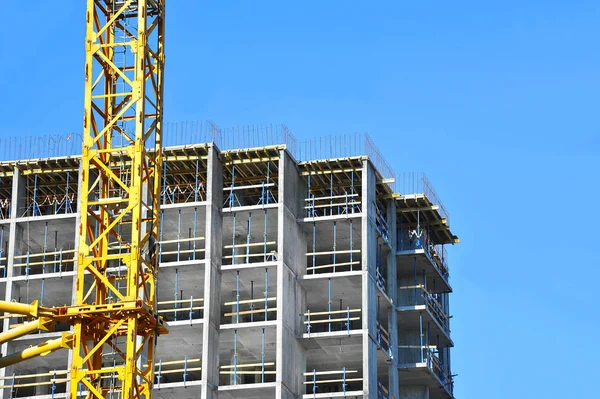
x: 334, y: 244
x: 2, y: 250
x: 248, y: 237
x: 421, y: 334
x: 265, y: 237
x: 235, y: 357
x: 351, y: 246
x: 233, y: 239
x: 262, y: 357
x: 178, y: 235
x: 266, y: 294
x: 237, y: 297
x: 329, y: 303
x: 176, y: 293
x: 195, y: 231
x: 314, y: 248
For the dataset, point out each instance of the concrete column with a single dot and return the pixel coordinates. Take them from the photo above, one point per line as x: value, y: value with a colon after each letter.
x: 291, y: 355
x: 212, y: 276
x: 369, y: 286
x: 15, y: 243
x: 392, y: 277
x: 18, y: 194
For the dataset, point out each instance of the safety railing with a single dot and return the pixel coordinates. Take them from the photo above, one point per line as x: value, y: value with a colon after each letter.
x: 259, y: 372
x: 343, y: 146
x: 181, y: 249
x: 56, y: 261
x: 379, y: 277
x: 183, y: 193
x: 383, y: 392
x: 343, y: 380
x: 180, y: 192
x: 250, y: 252
x: 332, y: 320
x: 61, y: 201
x: 332, y: 205
x: 182, y: 309
x: 415, y: 295
x: 4, y: 208
x: 3, y: 251
x: 175, y: 134
x: 267, y: 196
x: 436, y: 366
x: 252, y: 136
x: 184, y: 370
x: 334, y: 261
x: 16, y: 148
x: 53, y: 380
x: 242, y: 373
x: 383, y: 339
x: 381, y: 224
x: 411, y: 239
x: 409, y: 355
x: 50, y: 205
x: 251, y: 310
x: 418, y: 183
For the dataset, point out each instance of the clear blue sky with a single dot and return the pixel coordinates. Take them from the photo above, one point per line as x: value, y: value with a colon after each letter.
x: 497, y: 101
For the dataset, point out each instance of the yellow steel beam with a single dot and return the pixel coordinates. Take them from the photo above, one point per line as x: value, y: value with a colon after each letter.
x: 43, y: 349
x: 24, y: 309
x: 41, y: 324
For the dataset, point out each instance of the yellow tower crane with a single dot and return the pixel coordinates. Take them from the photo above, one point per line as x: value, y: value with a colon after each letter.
x: 117, y: 267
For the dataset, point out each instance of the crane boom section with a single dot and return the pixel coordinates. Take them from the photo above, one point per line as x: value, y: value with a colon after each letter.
x: 114, y: 315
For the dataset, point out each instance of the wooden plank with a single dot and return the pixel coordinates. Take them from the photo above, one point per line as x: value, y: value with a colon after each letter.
x: 331, y: 312
x: 250, y: 312
x: 250, y: 301
x: 309, y: 373
x: 230, y: 366
x: 344, y: 251
x: 333, y: 265
x: 330, y: 320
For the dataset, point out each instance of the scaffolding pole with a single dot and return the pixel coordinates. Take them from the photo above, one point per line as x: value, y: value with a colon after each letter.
x: 2, y: 249
x: 265, y: 237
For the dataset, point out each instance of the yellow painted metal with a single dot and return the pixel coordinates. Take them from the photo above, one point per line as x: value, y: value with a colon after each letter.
x: 122, y: 122
x: 43, y: 349
x: 43, y: 324
x: 24, y: 309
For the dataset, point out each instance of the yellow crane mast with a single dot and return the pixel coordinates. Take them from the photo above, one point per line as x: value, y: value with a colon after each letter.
x: 120, y: 204
x: 115, y: 303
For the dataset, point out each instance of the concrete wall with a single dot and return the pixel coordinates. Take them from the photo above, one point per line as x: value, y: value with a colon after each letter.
x: 369, y: 286
x: 291, y: 356
x: 212, y: 277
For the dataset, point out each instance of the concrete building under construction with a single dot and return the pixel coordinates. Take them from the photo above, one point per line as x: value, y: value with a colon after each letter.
x: 287, y: 270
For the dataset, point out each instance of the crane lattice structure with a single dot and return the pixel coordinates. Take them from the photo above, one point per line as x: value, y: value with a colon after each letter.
x: 114, y: 311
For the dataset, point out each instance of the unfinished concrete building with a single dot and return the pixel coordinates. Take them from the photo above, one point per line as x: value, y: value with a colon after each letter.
x: 287, y: 270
